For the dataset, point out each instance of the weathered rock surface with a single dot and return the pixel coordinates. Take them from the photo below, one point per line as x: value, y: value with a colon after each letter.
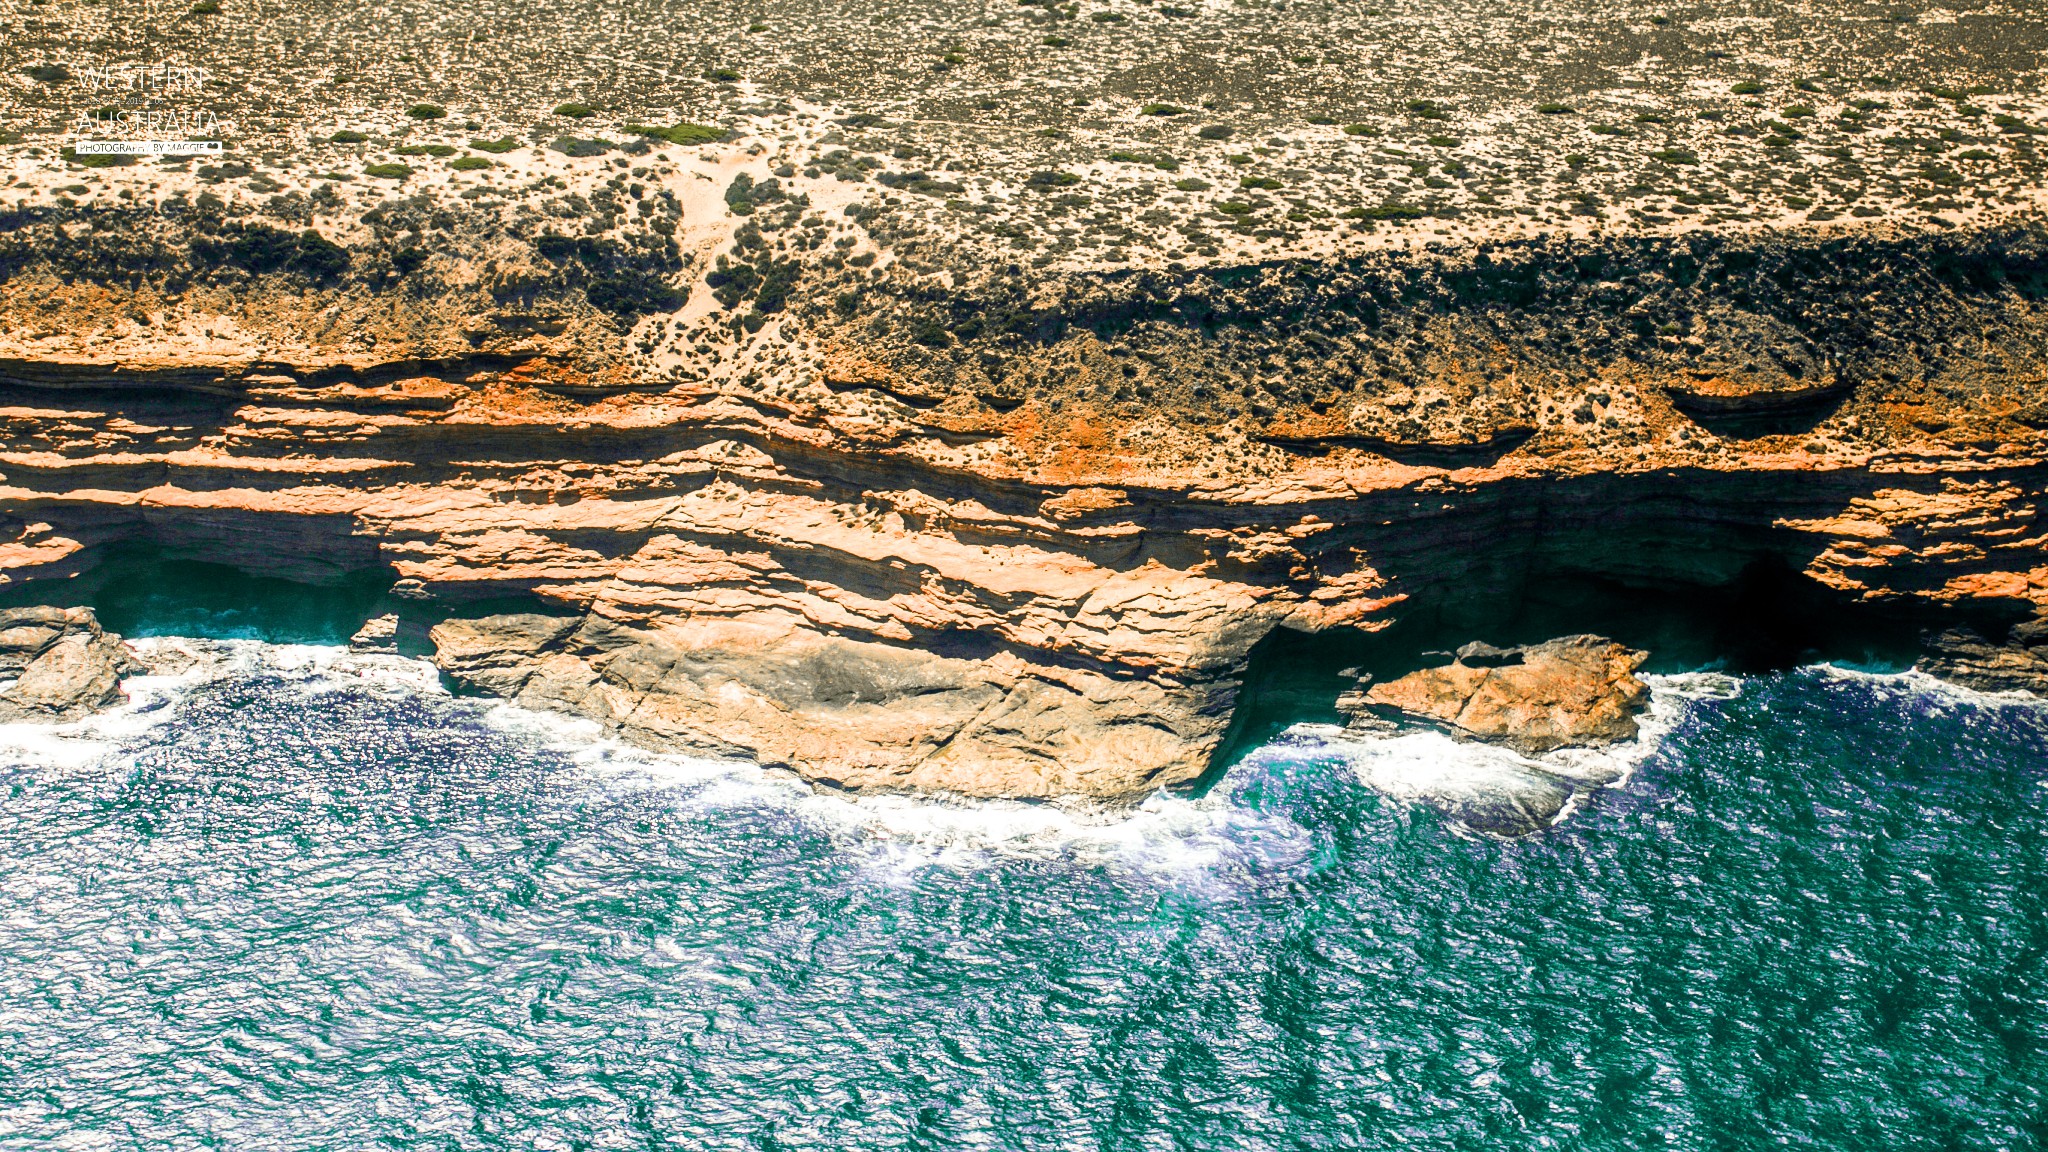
x: 1572, y: 691
x: 1020, y: 535
x: 1965, y: 657
x: 857, y: 715
x: 62, y: 665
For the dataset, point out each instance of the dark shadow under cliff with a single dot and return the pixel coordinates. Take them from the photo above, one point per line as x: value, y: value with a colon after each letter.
x: 1768, y: 618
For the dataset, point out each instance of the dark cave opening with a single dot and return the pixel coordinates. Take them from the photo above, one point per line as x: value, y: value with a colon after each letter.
x: 1769, y: 618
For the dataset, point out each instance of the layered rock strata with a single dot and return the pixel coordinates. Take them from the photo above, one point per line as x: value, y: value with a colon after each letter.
x: 1021, y: 538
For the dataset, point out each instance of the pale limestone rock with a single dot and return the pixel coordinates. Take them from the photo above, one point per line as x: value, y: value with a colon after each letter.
x: 62, y: 665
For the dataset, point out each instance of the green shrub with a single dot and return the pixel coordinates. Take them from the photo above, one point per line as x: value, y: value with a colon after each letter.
x: 1977, y: 154
x: 427, y: 150
x: 1386, y: 212
x: 1234, y: 208
x: 1360, y: 130
x: 1160, y: 161
x: 1215, y: 131
x: 578, y: 149
x: 1266, y: 183
x: 1799, y: 111
x: 1553, y: 109
x: 1444, y: 142
x: 722, y: 75
x: 920, y: 183
x: 628, y: 294
x: 1747, y: 88
x: 1050, y: 179
x: 575, y: 111
x: 743, y: 193
x: 95, y: 160
x: 1608, y: 130
x: 1055, y: 41
x: 1190, y: 184
x: 349, y: 136
x: 1428, y: 110
x: 1106, y: 17
x: 206, y: 8
x: 261, y: 249
x: 389, y: 171
x: 426, y: 112
x: 681, y: 133
x: 495, y: 147
x: 1162, y: 110
x: 469, y: 164
x: 1321, y: 121
x: 49, y: 73
x: 1676, y: 156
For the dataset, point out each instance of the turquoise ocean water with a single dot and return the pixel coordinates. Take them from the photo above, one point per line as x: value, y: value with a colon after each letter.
x: 310, y: 901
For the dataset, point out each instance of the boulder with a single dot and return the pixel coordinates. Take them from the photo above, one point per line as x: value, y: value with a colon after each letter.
x: 57, y: 664
x: 1572, y: 691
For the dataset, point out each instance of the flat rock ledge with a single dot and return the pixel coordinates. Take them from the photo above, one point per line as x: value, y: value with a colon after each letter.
x: 842, y: 713
x: 58, y: 664
x: 1575, y: 691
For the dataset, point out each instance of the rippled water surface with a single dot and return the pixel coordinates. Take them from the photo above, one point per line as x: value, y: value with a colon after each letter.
x: 305, y: 906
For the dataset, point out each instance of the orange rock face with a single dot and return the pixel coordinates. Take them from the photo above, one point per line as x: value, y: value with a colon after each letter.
x: 1578, y: 690
x: 1033, y: 558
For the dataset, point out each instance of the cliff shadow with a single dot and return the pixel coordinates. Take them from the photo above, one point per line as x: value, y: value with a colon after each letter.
x: 1769, y: 618
x: 146, y: 590
x: 1792, y: 416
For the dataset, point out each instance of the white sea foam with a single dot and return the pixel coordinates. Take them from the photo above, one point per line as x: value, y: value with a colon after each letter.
x: 1426, y: 765
x: 177, y: 665
x: 904, y: 833
x: 1923, y: 684
x: 1167, y: 833
x: 49, y: 745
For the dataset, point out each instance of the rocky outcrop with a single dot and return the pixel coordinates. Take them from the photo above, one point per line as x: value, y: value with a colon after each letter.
x: 843, y: 712
x: 57, y: 664
x: 1572, y: 691
x: 1964, y: 656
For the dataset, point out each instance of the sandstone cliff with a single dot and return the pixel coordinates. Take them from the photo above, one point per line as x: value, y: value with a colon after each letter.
x: 1018, y: 536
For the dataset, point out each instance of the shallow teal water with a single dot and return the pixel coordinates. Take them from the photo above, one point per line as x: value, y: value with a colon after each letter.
x: 314, y: 911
